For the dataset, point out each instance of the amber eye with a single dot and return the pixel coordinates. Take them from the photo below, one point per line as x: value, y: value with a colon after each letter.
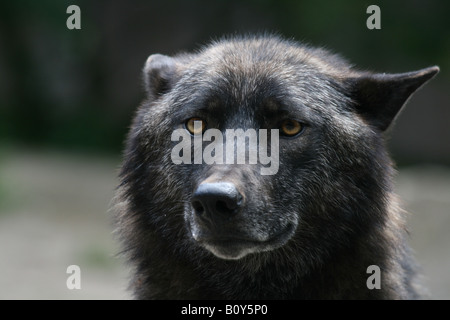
x: 195, y: 125
x: 291, y: 128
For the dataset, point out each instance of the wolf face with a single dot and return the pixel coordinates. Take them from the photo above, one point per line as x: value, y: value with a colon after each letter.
x: 324, y: 122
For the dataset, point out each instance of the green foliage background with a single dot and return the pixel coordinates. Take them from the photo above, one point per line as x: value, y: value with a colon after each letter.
x: 77, y: 89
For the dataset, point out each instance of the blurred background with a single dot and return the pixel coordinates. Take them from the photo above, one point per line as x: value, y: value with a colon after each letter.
x: 67, y: 98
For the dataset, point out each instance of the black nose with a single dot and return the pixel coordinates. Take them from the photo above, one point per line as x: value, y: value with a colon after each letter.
x: 220, y: 199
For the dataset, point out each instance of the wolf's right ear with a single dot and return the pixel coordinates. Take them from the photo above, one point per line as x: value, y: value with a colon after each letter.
x: 380, y: 97
x: 159, y: 74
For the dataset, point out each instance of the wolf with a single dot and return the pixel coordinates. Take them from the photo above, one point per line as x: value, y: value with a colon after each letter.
x: 223, y: 230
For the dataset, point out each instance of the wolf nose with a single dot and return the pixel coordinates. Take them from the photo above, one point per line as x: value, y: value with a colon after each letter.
x: 212, y: 199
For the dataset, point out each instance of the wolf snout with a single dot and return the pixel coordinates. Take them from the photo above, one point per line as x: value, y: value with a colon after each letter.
x: 212, y: 201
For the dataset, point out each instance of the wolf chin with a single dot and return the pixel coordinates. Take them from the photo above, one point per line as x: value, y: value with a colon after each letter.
x: 224, y: 231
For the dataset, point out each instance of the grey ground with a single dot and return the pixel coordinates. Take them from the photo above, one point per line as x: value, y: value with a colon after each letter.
x: 54, y: 213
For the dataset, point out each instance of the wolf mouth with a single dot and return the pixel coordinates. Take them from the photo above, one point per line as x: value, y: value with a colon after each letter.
x: 235, y: 247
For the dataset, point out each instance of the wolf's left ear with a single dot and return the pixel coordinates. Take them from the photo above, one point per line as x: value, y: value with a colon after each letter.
x: 159, y: 74
x: 380, y: 97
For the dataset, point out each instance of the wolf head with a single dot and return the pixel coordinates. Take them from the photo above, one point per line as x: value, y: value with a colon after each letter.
x: 333, y: 181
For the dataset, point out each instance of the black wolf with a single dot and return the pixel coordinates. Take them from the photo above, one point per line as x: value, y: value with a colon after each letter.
x: 226, y: 231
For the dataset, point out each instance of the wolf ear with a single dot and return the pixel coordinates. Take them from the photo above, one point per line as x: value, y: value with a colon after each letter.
x: 159, y: 74
x: 380, y: 97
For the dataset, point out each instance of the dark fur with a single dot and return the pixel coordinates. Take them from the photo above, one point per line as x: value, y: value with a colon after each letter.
x: 334, y: 184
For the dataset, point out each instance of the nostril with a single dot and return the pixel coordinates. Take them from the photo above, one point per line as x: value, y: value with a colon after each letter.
x: 198, y: 207
x: 223, y: 207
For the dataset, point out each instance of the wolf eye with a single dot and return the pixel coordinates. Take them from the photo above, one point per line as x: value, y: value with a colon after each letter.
x: 192, y: 128
x: 291, y: 128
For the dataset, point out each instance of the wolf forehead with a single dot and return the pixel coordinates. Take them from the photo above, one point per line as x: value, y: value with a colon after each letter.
x: 248, y: 56
x: 250, y: 69
x: 246, y: 70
